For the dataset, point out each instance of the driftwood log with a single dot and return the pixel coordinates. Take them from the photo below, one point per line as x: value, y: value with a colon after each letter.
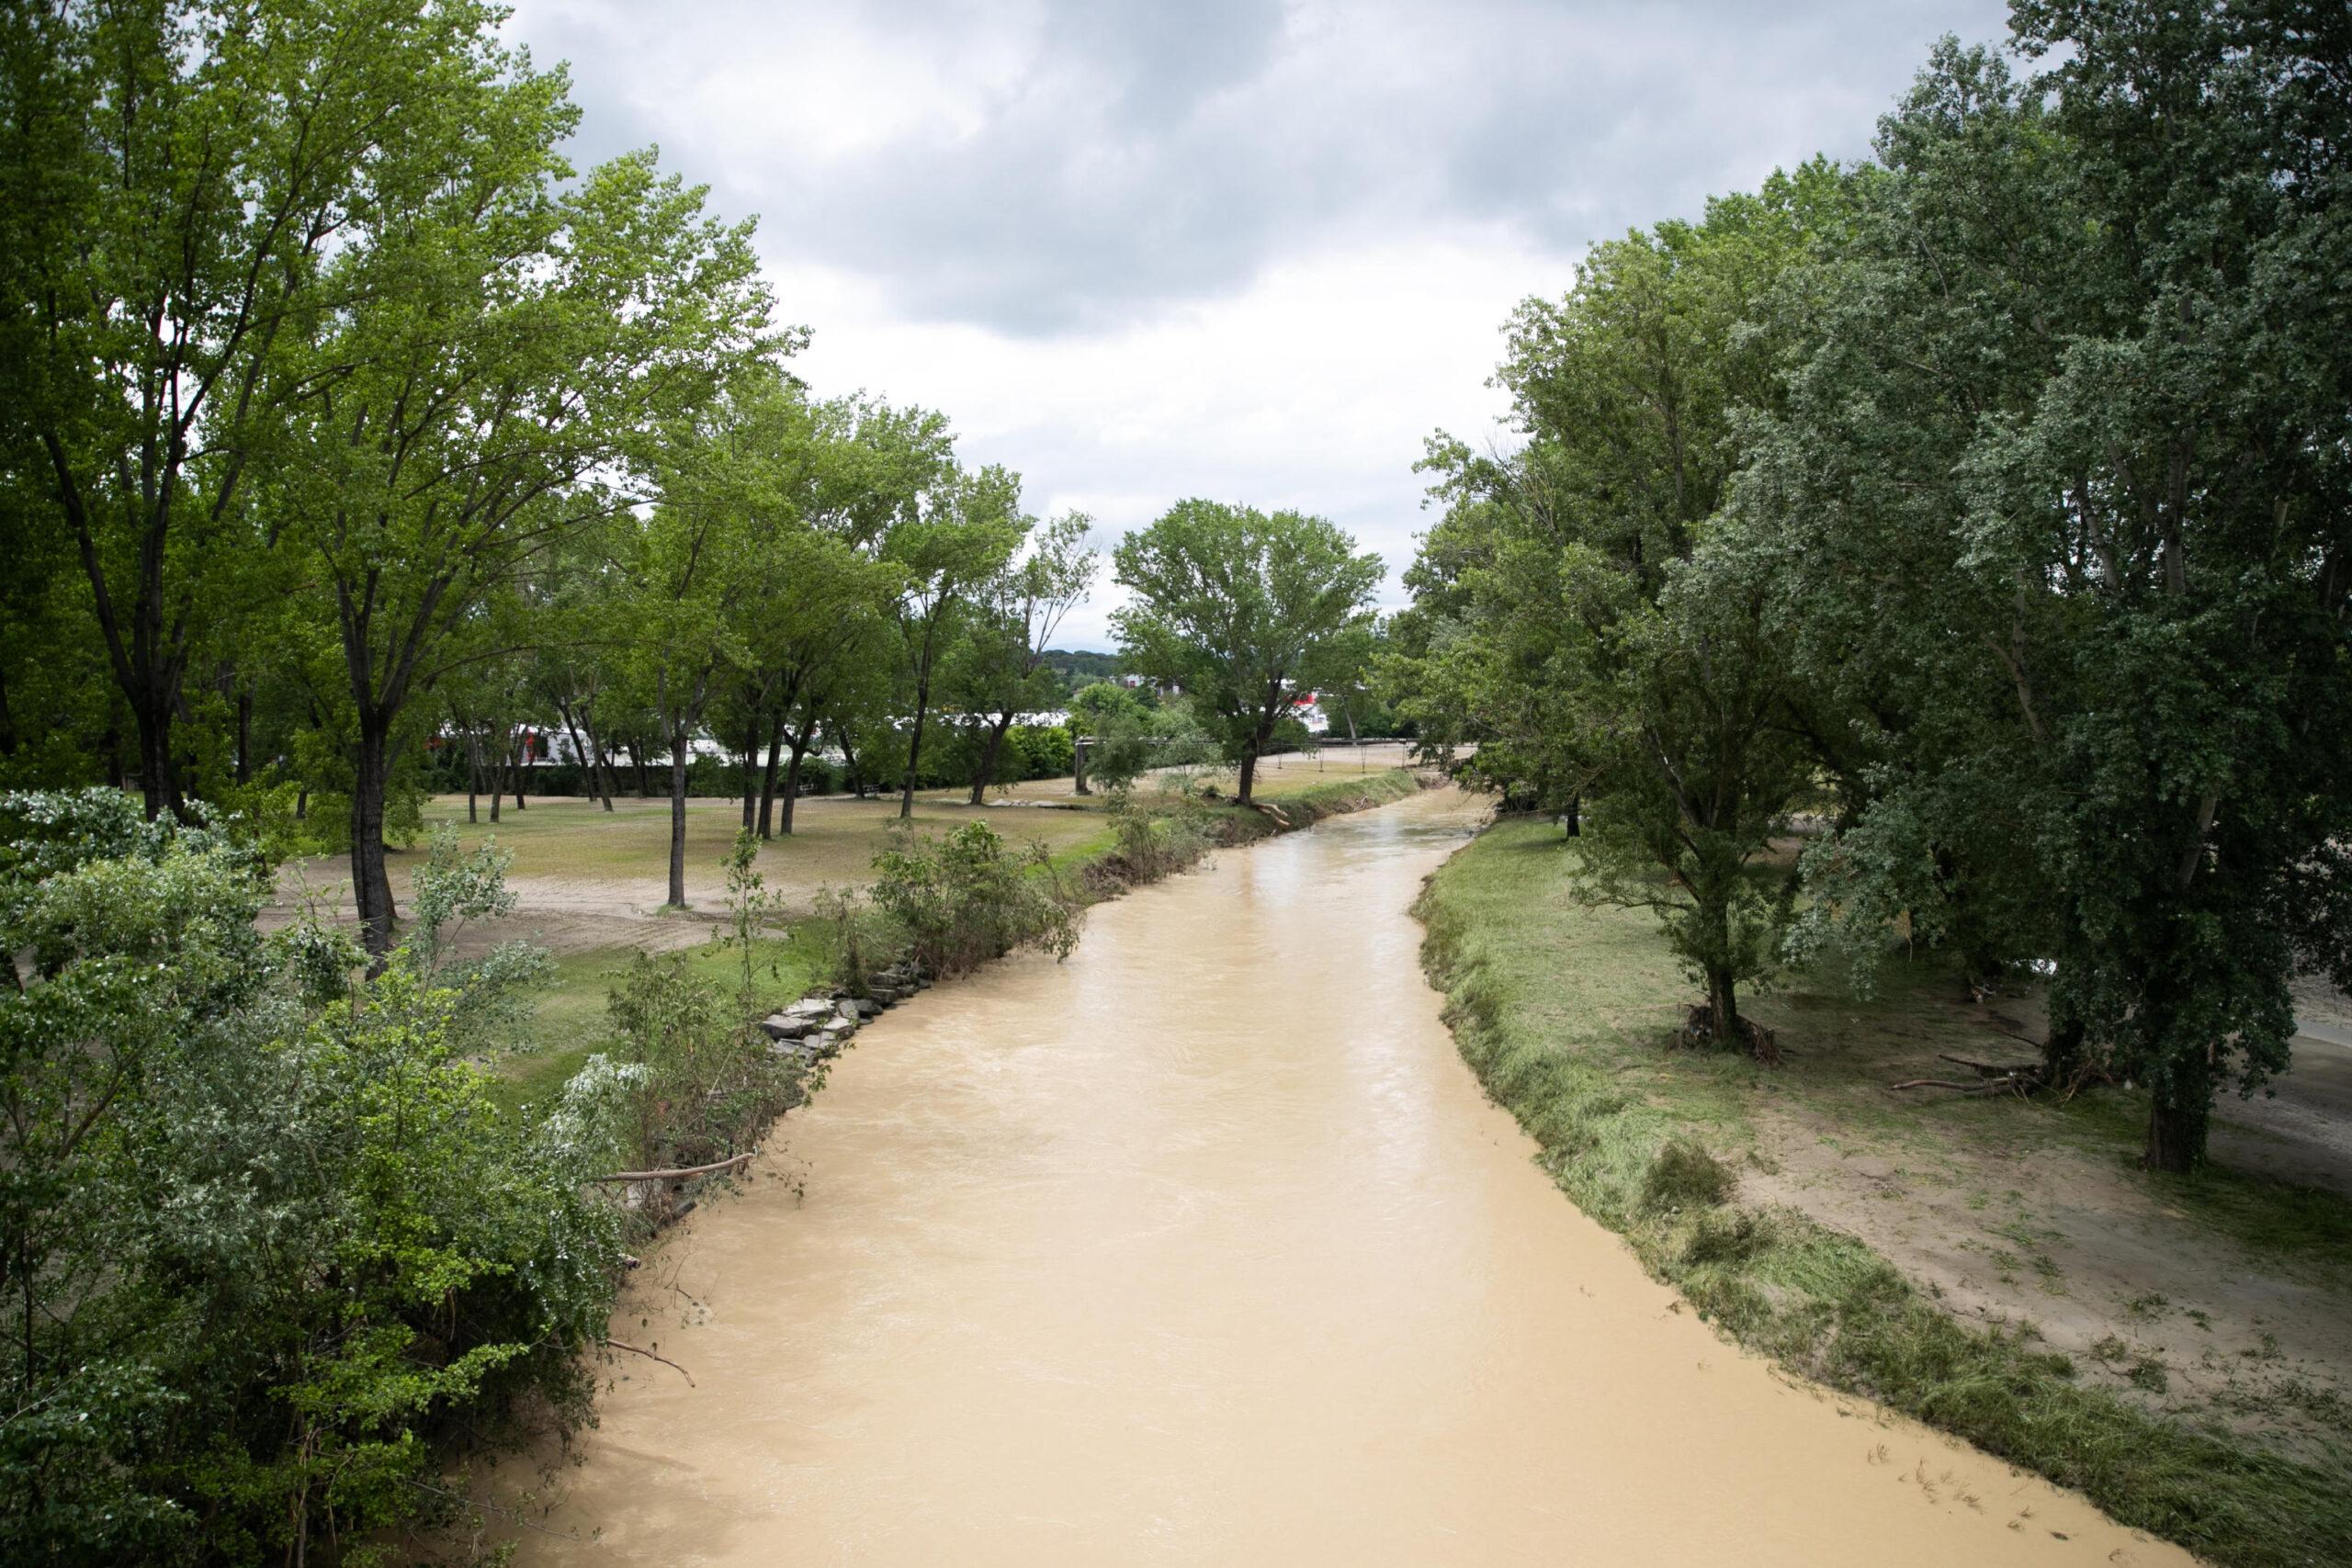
x: 626, y: 1176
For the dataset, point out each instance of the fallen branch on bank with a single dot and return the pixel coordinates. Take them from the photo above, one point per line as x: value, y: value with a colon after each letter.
x: 632, y: 1175
x: 651, y: 1356
x: 2019, y: 1079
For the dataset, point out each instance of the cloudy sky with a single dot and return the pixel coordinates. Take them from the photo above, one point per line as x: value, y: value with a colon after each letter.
x: 1250, y: 251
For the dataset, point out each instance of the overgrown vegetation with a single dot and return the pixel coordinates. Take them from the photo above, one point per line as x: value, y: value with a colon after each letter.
x: 1551, y: 1002
x: 962, y: 900
x: 267, y: 1247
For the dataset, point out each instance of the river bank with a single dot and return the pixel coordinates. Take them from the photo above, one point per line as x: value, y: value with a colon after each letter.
x: 2177, y: 1350
x: 1203, y: 1246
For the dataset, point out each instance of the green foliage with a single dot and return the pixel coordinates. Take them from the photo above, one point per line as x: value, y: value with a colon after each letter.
x: 698, y: 1067
x: 491, y: 994
x: 751, y: 911
x: 998, y: 669
x: 269, y: 1246
x: 1045, y: 751
x: 1131, y: 741
x: 1095, y: 708
x: 2060, y: 494
x: 1583, y: 604
x: 850, y: 937
x: 707, y: 1083
x: 1158, y: 836
x: 1243, y: 610
x: 966, y: 898
x: 1988, y: 500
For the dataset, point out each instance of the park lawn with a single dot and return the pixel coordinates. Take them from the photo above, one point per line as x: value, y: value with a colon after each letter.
x: 833, y: 840
x: 1566, y: 1011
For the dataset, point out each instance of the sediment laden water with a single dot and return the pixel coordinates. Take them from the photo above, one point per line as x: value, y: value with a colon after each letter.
x: 1205, y: 1248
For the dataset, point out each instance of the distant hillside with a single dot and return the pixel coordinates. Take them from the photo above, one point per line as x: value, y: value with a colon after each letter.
x: 1079, y: 669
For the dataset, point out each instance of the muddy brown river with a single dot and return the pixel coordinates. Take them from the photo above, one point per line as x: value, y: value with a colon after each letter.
x: 1205, y: 1248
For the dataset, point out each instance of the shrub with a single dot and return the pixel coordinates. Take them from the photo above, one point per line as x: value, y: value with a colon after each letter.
x: 966, y: 898
x: 710, y: 1083
x: 1154, y: 840
x: 848, y: 933
x: 1045, y: 751
x: 272, y: 1249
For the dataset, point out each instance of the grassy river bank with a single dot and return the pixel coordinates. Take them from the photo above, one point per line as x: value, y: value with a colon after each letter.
x: 1942, y: 1256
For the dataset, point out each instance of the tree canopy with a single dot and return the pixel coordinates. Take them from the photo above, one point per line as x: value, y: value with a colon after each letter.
x: 1244, y: 610
x: 1986, y: 500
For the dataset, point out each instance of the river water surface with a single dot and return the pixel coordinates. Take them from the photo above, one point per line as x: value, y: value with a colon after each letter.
x: 1205, y: 1248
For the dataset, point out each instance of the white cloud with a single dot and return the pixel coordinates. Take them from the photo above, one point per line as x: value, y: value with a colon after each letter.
x: 1313, y: 387
x: 1249, y: 250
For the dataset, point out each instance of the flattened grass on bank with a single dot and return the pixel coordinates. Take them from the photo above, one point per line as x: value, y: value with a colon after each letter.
x: 1563, y: 1012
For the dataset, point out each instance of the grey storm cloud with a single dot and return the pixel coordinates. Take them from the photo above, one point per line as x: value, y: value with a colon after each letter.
x: 1138, y: 157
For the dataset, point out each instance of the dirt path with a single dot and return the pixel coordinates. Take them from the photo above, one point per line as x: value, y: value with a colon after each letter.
x: 1205, y: 1248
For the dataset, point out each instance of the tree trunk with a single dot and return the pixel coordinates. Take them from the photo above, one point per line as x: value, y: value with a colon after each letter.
x: 637, y: 766
x: 1575, y: 815
x: 371, y: 883
x: 678, y: 817
x: 852, y: 774
x: 157, y: 782
x: 244, y: 735
x: 1248, y: 772
x: 473, y: 777
x: 767, y: 776
x: 914, y: 753
x: 985, y: 774
x: 1077, y: 765
x: 1722, y: 1008
x: 767, y: 781
x: 587, y: 763
x: 521, y: 758
x: 800, y: 744
x: 750, y: 768
x: 600, y: 757
x: 490, y: 776
x: 2179, y: 1106
x: 2061, y: 1054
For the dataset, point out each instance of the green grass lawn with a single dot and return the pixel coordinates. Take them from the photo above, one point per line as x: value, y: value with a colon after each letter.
x: 834, y: 838
x: 1565, y: 1011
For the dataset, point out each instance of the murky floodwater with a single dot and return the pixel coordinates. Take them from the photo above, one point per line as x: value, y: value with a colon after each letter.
x: 1204, y: 1248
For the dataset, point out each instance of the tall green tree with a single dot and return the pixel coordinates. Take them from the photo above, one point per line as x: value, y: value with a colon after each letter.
x: 2076, y: 405
x: 1002, y: 672
x: 1586, y: 605
x: 947, y: 549
x: 514, y: 350
x: 1244, y: 610
x: 184, y: 176
x: 698, y: 568
x: 825, y: 641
